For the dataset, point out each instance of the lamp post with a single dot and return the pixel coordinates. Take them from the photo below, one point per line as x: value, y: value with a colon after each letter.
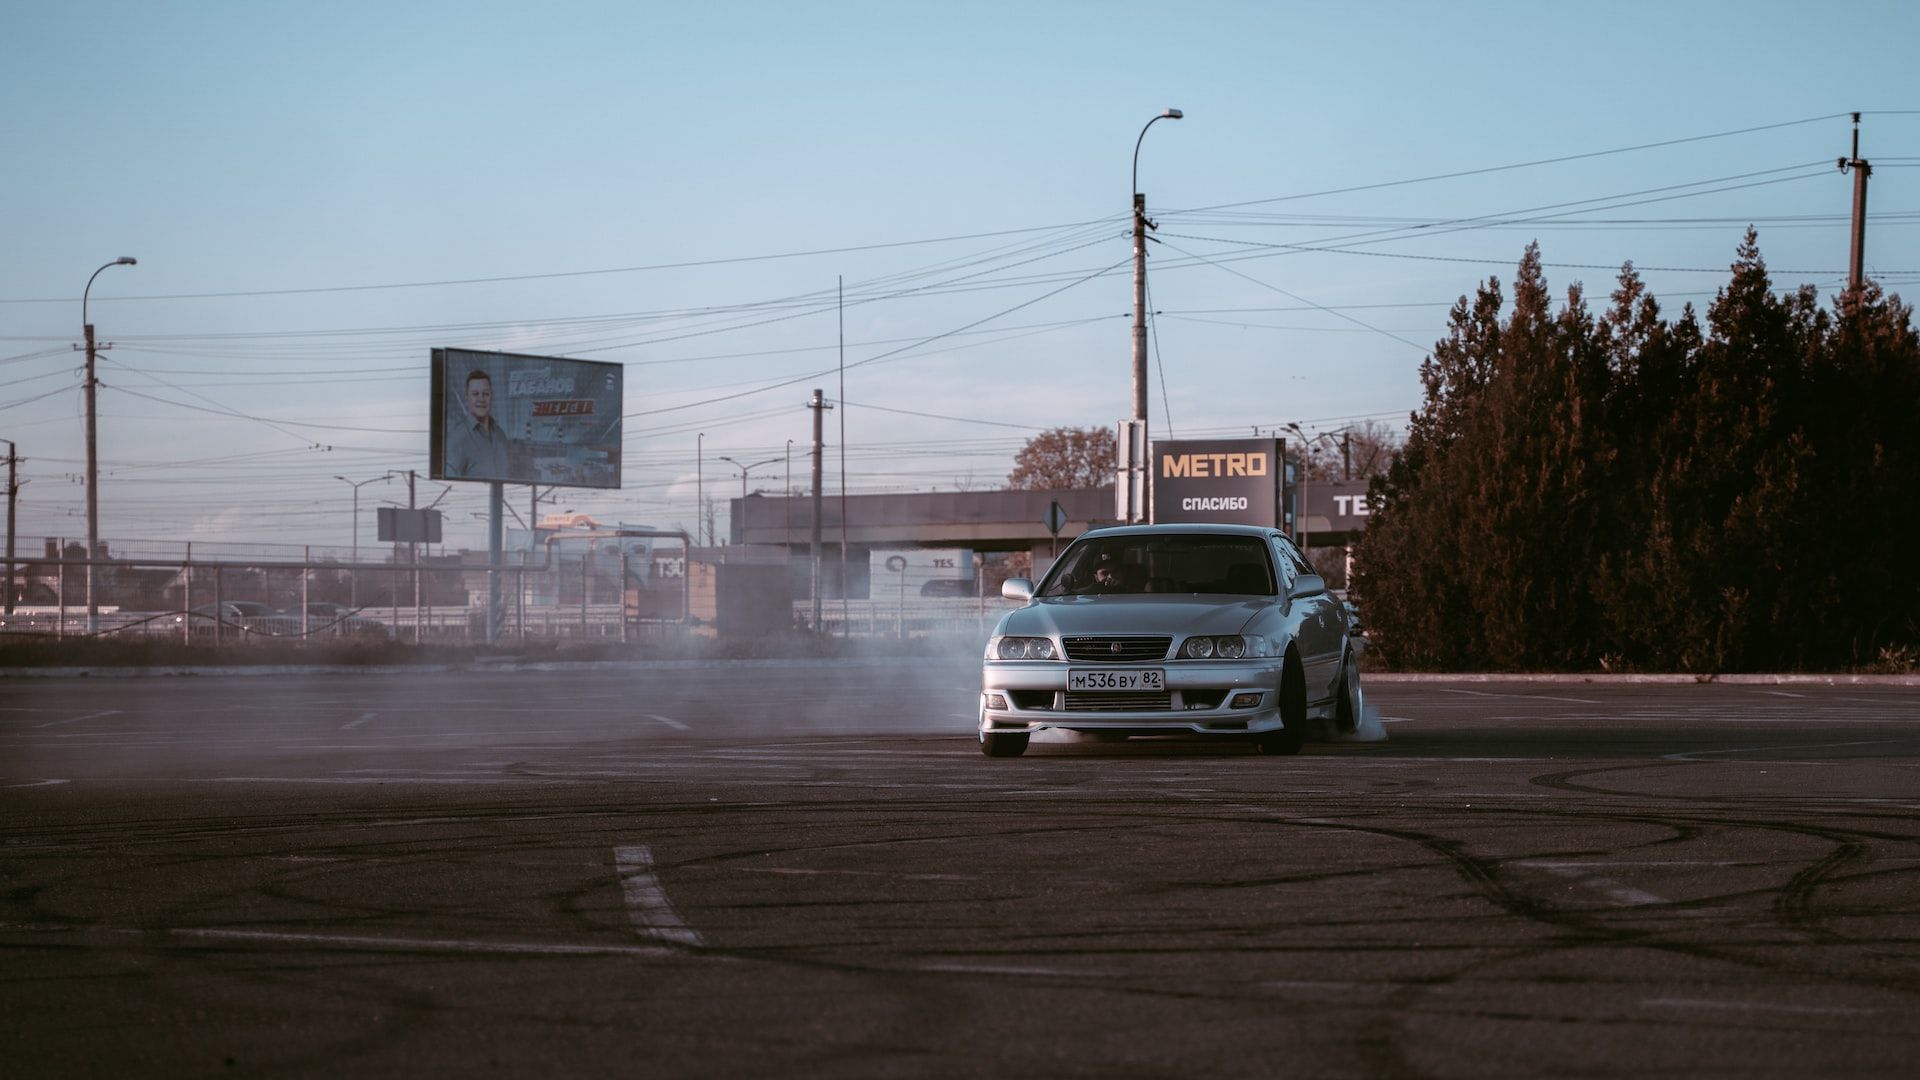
x: 1140, y: 226
x: 786, y: 498
x: 353, y: 576
x: 1306, y: 442
x: 699, y: 495
x: 93, y: 459
x: 744, y: 470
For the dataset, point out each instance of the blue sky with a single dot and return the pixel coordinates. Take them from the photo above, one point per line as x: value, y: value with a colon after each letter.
x: 268, y: 163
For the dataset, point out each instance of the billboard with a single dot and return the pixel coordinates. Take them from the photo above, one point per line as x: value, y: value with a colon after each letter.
x: 525, y: 419
x: 1233, y: 481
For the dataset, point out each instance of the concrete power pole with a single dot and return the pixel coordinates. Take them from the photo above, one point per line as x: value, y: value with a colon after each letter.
x: 1137, y: 512
x: 93, y: 491
x: 1856, y: 260
x: 819, y: 406
x: 13, y: 492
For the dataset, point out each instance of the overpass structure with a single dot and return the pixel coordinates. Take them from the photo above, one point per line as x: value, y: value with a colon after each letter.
x: 985, y: 521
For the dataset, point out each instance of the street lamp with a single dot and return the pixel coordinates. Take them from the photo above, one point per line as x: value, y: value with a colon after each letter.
x: 1306, y: 441
x: 93, y: 458
x: 353, y: 576
x: 1140, y: 226
x: 744, y: 470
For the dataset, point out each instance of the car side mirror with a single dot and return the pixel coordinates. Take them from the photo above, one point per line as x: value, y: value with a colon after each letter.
x: 1017, y: 588
x: 1308, y: 585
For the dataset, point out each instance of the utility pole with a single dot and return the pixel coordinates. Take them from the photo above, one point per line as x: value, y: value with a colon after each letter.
x: 13, y: 492
x: 819, y: 406
x: 1140, y: 227
x: 1857, y: 257
x: 93, y: 459
x: 413, y: 559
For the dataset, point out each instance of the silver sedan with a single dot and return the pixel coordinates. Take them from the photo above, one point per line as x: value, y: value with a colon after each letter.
x: 1211, y: 630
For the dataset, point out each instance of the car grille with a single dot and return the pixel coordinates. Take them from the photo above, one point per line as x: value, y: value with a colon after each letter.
x: 1089, y: 701
x: 1117, y: 650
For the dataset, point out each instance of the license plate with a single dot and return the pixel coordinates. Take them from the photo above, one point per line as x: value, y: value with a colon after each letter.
x: 1116, y: 679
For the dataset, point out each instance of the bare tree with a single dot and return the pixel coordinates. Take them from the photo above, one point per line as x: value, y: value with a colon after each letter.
x: 1065, y: 457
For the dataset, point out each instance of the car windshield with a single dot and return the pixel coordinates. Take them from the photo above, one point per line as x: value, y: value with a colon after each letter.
x: 1163, y: 563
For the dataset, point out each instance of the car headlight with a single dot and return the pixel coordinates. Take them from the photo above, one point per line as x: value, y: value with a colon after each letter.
x: 1226, y: 647
x: 1021, y: 648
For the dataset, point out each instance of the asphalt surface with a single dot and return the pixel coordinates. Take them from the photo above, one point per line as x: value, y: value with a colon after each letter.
x: 765, y: 869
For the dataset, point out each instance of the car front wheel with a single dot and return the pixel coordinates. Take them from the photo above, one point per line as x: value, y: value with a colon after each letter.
x: 1293, y: 713
x: 1003, y: 743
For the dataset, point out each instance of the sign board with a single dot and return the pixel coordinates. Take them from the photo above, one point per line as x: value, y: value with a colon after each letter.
x: 1056, y: 518
x: 1232, y: 481
x: 525, y: 419
x: 400, y: 525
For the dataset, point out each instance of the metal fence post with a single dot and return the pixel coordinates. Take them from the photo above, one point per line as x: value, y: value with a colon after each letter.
x: 219, y: 606
x: 60, y: 592
x: 306, y: 577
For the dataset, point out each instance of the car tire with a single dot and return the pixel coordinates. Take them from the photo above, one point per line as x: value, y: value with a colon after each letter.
x: 1293, y: 713
x: 1347, y: 701
x: 1003, y: 743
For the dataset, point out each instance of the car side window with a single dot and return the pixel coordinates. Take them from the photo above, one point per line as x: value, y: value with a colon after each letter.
x: 1292, y: 555
x: 1284, y: 563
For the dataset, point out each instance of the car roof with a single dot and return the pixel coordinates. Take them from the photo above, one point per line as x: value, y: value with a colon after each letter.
x: 1213, y: 528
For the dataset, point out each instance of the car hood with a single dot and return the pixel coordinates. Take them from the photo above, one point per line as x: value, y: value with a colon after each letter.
x: 1056, y: 616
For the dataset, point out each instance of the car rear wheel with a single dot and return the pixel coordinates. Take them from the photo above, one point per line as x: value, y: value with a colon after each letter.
x: 1346, y: 700
x: 1003, y: 743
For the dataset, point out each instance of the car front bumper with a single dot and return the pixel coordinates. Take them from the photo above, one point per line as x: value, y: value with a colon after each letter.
x: 1031, y: 695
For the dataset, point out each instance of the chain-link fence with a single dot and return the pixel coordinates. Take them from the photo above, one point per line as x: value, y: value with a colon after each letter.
x: 596, y: 587
x: 601, y: 588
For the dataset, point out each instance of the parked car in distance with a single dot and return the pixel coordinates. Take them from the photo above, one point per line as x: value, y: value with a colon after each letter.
x: 241, y: 619
x: 339, y: 620
x: 948, y: 587
x: 1220, y: 631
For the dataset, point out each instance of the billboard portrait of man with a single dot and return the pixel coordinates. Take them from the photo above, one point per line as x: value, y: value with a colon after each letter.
x: 477, y: 448
x: 516, y: 419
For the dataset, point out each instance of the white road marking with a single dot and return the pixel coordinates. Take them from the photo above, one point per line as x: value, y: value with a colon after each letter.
x: 1521, y: 697
x: 1758, y: 1006
x: 35, y: 783
x: 1695, y: 755
x: 1613, y: 890
x: 1781, y: 693
x: 667, y: 720
x: 1009, y: 969
x: 797, y: 872
x: 647, y: 904
x: 405, y: 944
x: 77, y: 719
x: 351, y: 724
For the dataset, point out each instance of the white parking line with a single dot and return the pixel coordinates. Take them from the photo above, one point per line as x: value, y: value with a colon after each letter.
x: 404, y: 944
x: 1758, y: 1006
x: 77, y: 719
x: 351, y: 724
x: 1521, y: 697
x: 667, y: 720
x: 1613, y: 890
x: 647, y: 904
x: 1695, y: 755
